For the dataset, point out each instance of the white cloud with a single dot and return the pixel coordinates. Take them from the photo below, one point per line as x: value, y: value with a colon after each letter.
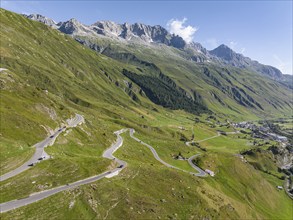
x: 177, y: 27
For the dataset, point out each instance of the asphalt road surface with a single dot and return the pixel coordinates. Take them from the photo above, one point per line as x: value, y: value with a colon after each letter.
x: 218, y: 134
x: 119, y: 142
x: 209, y: 138
x: 14, y: 204
x: 108, y: 153
x: 200, y: 173
x: 40, y: 152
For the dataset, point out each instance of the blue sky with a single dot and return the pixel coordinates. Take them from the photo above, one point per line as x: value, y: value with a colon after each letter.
x: 261, y: 30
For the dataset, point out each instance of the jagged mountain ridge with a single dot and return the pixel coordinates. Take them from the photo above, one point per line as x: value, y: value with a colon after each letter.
x: 228, y: 56
x: 141, y: 33
x: 130, y: 32
x: 43, y: 19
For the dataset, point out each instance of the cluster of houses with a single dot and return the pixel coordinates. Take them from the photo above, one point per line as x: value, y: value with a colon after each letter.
x: 244, y: 124
x: 260, y: 131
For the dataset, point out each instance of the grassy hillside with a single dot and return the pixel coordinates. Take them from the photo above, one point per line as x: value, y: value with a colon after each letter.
x: 147, y: 189
x: 50, y: 77
x: 225, y: 90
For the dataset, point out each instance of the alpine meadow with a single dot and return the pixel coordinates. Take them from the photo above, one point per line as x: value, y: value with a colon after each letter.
x: 133, y: 121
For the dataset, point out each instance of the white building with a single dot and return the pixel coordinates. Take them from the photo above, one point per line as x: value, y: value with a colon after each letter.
x: 211, y: 173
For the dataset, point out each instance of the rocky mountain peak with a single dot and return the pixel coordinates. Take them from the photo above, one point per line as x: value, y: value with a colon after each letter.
x: 138, y: 32
x: 224, y: 52
x: 141, y: 29
x: 74, y: 21
x: 74, y: 27
x: 198, y: 47
x: 43, y: 19
x: 224, y: 46
x: 107, y: 28
x: 147, y: 34
x: 228, y: 56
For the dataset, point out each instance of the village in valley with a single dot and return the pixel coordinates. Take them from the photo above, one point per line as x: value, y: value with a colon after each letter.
x: 262, y: 132
x: 271, y: 132
x: 271, y: 135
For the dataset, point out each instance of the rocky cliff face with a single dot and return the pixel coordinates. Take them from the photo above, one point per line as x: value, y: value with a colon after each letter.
x: 107, y: 28
x: 130, y: 32
x: 138, y: 32
x: 146, y: 34
x: 74, y: 27
x: 43, y: 19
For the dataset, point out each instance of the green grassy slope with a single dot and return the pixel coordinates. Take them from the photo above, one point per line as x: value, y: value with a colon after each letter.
x: 147, y: 189
x: 226, y: 90
x: 80, y: 81
x: 77, y: 80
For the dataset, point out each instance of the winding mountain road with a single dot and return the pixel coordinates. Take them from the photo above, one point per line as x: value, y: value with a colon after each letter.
x: 14, y: 204
x: 200, y: 173
x: 193, y: 141
x: 40, y: 152
x: 108, y: 153
x: 218, y: 135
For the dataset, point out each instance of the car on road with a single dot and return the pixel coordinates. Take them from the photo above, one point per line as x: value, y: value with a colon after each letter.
x: 31, y: 165
x: 120, y: 166
x: 51, y: 136
x: 60, y: 129
x: 42, y: 158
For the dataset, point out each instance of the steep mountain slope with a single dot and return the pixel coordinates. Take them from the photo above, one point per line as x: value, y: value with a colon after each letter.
x: 238, y: 60
x: 227, y: 82
x: 46, y: 77
x: 224, y: 89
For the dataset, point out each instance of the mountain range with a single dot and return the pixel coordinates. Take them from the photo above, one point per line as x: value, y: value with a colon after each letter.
x: 151, y: 48
x: 142, y: 33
